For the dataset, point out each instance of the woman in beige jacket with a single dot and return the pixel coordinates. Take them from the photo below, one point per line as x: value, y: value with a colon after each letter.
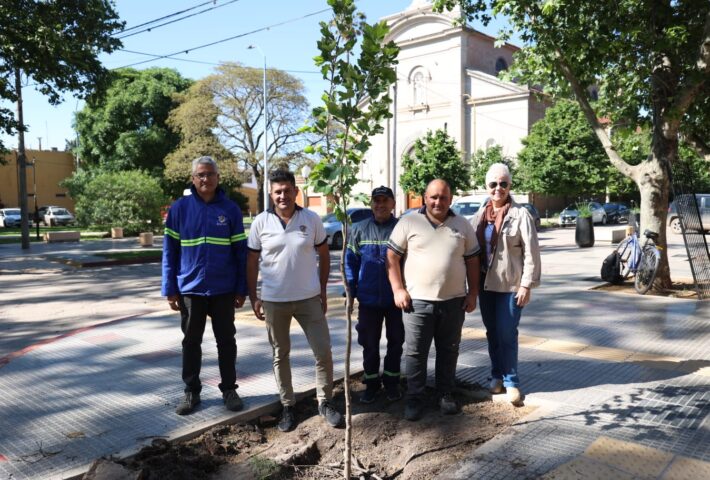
x: 510, y: 268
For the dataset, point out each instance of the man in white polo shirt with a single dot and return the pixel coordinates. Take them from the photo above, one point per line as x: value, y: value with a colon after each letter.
x: 290, y: 243
x: 439, y: 286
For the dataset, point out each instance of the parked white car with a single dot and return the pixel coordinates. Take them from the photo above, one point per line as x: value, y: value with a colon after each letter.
x: 468, y: 205
x: 58, y: 216
x: 10, y: 217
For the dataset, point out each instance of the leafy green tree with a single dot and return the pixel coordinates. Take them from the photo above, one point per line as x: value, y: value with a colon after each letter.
x: 435, y: 156
x: 195, y: 121
x: 483, y: 159
x: 130, y: 199
x: 56, y: 45
x: 125, y: 127
x: 354, y: 106
x: 651, y: 61
x: 562, y: 156
x: 232, y: 100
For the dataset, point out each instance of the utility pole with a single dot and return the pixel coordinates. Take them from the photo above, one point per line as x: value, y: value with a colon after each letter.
x: 21, y: 164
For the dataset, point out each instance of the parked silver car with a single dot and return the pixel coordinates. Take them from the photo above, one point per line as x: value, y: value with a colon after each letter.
x: 569, y: 215
x: 334, y: 228
x: 703, y: 202
x: 10, y: 217
x: 58, y: 216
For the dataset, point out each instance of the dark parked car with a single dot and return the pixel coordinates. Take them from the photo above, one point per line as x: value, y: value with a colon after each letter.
x: 616, y: 212
x: 334, y: 228
x: 533, y: 212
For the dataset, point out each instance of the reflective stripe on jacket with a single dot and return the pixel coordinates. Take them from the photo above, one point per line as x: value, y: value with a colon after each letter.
x: 204, y: 247
x: 365, y: 267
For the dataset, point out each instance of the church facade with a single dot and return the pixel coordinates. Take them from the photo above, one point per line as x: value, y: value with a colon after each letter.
x: 447, y: 79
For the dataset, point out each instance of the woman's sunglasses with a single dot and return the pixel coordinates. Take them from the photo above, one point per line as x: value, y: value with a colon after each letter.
x: 493, y: 185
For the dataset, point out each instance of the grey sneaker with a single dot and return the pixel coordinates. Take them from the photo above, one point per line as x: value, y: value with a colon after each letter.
x: 331, y: 415
x: 232, y: 400
x: 448, y: 405
x: 414, y: 409
x: 287, y: 421
x: 188, y: 403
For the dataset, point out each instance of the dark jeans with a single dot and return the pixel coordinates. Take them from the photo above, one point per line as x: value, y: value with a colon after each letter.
x: 194, y: 310
x: 501, y: 316
x: 369, y: 331
x: 438, y: 321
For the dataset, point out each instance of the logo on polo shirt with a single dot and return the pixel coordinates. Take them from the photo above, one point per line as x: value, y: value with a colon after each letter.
x: 221, y: 220
x: 302, y: 228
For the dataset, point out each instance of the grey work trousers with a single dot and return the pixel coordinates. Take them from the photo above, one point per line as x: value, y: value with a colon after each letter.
x: 438, y: 321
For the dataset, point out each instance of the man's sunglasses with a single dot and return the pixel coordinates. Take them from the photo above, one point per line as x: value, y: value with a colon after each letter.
x: 493, y: 185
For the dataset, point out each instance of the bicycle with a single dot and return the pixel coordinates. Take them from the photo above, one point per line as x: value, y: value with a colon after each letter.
x: 641, y: 260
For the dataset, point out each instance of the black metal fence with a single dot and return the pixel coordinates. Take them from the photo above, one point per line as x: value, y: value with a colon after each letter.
x: 690, y: 209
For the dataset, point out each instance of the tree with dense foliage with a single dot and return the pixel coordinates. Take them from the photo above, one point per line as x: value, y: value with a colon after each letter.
x: 233, y: 100
x: 435, y: 156
x: 130, y: 199
x: 481, y: 161
x: 562, y: 156
x: 55, y: 45
x: 650, y: 60
x: 354, y: 107
x: 125, y: 127
x: 195, y: 121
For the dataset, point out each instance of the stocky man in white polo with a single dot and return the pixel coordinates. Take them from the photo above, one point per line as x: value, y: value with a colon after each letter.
x: 289, y: 244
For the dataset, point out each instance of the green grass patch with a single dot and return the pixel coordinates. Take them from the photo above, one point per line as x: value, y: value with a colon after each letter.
x: 132, y: 254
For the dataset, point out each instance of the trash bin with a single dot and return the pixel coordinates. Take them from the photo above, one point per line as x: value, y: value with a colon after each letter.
x: 116, y: 232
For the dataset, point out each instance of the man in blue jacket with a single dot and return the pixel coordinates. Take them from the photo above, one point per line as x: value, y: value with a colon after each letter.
x: 366, y: 274
x: 204, y: 274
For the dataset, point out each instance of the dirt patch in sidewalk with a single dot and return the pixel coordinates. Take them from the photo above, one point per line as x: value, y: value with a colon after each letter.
x: 385, y: 445
x: 681, y: 288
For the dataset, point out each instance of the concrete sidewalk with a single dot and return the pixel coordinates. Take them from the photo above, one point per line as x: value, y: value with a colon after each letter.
x: 611, y: 373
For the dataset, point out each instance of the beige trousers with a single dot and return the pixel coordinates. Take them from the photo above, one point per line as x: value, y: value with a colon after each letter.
x: 309, y: 314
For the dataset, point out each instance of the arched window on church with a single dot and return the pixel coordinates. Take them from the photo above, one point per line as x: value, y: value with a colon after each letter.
x: 501, y: 65
x: 418, y: 80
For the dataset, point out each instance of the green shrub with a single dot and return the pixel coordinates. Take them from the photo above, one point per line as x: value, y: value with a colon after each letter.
x: 130, y: 199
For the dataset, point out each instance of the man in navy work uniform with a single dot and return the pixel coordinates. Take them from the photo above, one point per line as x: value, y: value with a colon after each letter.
x: 204, y: 274
x: 366, y: 274
x: 288, y: 243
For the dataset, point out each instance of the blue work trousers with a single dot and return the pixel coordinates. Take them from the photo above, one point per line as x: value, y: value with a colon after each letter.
x: 369, y: 331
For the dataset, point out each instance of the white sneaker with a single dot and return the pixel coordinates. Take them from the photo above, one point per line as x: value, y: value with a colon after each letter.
x: 515, y: 396
x: 496, y: 386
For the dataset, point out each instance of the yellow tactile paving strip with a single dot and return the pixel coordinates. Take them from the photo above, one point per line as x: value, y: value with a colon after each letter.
x: 698, y: 367
x: 610, y: 458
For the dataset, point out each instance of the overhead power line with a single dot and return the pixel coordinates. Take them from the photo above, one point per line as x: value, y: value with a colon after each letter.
x: 174, y: 14
x: 192, y: 49
x: 216, y: 64
x: 149, y: 29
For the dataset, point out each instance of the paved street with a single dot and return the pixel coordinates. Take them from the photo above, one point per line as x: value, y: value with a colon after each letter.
x: 89, y: 366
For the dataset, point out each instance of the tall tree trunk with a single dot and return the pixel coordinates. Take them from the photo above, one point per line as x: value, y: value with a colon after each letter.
x: 653, y: 183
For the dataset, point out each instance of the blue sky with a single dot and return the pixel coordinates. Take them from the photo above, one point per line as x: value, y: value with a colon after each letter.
x: 290, y: 46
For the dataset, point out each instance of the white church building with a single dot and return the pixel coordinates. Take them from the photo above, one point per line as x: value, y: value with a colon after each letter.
x: 447, y: 79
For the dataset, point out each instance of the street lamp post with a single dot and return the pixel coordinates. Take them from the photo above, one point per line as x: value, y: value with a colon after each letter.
x: 266, y: 123
x: 305, y: 173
